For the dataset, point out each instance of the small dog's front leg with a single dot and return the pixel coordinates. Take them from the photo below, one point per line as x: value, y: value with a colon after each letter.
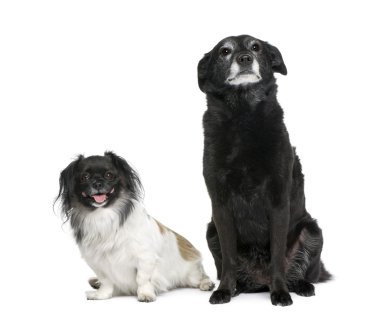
x: 145, y: 289
x: 105, y: 290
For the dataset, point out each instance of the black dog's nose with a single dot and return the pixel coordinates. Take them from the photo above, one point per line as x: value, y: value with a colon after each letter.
x: 98, y: 185
x: 245, y: 59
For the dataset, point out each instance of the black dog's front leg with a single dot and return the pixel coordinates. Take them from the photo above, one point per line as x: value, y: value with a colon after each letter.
x: 227, y: 236
x: 279, y: 224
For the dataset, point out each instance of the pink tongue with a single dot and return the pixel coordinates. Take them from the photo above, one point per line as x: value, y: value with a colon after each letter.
x: 99, y: 198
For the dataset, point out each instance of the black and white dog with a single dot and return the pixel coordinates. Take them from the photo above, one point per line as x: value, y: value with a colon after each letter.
x: 130, y: 252
x: 261, y: 236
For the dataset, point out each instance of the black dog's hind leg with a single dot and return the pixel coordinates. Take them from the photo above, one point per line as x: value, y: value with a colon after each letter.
x: 302, y: 287
x: 227, y: 237
x: 214, y: 246
x: 305, y: 260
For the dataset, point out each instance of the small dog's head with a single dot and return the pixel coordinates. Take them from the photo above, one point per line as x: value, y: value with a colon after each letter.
x: 97, y: 181
x: 241, y: 61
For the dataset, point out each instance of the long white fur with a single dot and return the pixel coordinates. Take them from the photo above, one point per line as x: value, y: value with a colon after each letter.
x: 135, y: 258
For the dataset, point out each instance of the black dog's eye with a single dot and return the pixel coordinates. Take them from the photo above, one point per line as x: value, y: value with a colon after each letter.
x: 255, y: 47
x: 225, y: 51
x: 85, y: 177
x: 109, y: 176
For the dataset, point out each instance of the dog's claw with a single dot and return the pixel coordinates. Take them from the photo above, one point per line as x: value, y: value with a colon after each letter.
x: 220, y: 296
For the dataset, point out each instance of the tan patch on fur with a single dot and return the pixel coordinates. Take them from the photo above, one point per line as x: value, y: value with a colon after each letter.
x: 187, y: 250
x: 162, y: 228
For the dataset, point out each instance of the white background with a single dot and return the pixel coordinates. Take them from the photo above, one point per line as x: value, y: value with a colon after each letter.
x: 88, y: 76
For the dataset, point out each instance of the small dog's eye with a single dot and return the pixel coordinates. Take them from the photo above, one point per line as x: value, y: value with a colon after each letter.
x: 225, y: 51
x: 85, y: 177
x: 255, y: 47
x: 109, y: 176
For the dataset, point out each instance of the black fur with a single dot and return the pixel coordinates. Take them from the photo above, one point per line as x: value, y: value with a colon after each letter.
x: 76, y: 191
x: 261, y: 236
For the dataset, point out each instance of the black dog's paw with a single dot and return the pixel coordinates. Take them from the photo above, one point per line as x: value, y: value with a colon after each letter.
x: 281, y: 298
x: 220, y: 296
x: 304, y: 288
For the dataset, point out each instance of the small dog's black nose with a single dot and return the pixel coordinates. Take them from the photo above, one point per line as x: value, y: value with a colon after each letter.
x: 245, y: 59
x: 98, y: 185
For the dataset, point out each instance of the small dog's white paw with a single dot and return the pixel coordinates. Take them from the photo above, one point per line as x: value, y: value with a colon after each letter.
x: 206, y: 284
x: 146, y: 293
x: 146, y: 298
x: 97, y: 295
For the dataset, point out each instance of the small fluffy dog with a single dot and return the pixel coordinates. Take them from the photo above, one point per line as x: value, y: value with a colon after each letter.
x: 260, y: 235
x: 130, y: 252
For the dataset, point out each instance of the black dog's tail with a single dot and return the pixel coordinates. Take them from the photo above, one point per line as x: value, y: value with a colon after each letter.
x: 324, y: 274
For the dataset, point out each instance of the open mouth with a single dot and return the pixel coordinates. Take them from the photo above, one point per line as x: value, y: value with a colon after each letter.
x: 100, y: 197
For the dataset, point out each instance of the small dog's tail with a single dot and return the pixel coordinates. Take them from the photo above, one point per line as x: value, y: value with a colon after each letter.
x: 324, y: 274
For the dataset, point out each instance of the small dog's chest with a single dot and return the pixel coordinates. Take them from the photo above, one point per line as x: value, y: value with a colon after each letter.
x: 110, y: 249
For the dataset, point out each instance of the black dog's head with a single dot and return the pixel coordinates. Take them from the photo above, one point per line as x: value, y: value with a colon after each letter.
x: 241, y: 61
x: 97, y: 181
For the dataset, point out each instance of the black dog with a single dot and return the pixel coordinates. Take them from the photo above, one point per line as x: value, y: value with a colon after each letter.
x: 260, y: 235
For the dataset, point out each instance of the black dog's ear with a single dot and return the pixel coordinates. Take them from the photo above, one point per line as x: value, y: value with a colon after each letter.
x: 278, y: 64
x: 132, y: 180
x: 203, y: 71
x: 66, y: 184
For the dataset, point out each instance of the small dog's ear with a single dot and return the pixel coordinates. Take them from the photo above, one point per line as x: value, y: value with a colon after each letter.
x: 66, y: 184
x: 203, y: 71
x: 132, y: 180
x: 277, y: 62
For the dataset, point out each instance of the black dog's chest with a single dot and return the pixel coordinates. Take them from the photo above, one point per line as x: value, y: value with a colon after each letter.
x: 238, y: 162
x: 236, y: 154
